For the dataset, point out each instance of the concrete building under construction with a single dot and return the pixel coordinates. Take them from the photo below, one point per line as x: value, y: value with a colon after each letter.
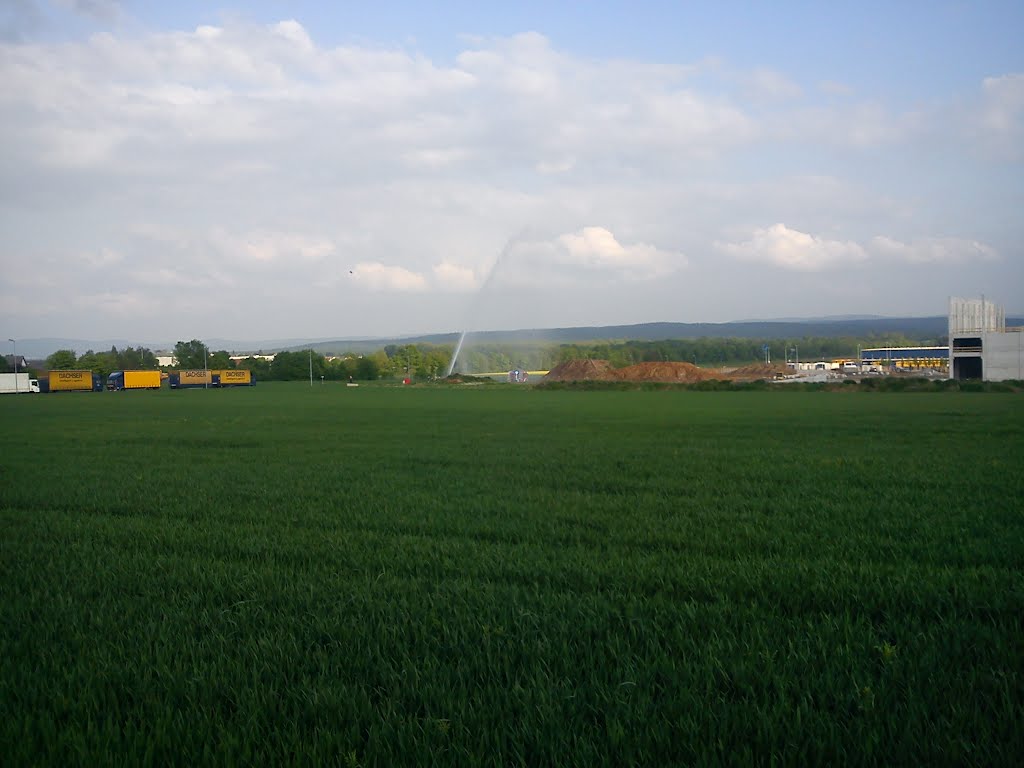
x: 980, y: 344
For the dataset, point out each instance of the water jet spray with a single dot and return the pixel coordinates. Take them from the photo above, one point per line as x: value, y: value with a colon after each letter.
x: 502, y: 255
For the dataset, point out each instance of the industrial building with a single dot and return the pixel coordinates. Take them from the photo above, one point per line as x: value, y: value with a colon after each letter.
x: 905, y: 358
x: 981, y: 345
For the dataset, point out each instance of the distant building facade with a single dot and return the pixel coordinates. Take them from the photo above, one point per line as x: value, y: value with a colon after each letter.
x: 981, y: 346
x: 906, y: 358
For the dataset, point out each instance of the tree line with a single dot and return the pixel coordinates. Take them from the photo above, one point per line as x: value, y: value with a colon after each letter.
x: 717, y: 352
x: 425, y: 361
x: 103, y: 363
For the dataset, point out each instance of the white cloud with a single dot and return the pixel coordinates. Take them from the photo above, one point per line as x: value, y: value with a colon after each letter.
x: 388, y: 278
x: 119, y: 304
x: 834, y: 88
x: 295, y: 33
x: 165, y: 277
x: 780, y: 246
x: 555, y: 166
x: 934, y: 250
x: 861, y: 125
x: 273, y: 89
x: 102, y: 257
x: 772, y: 85
x: 1000, y: 118
x: 452, y: 277
x: 263, y: 247
x: 1003, y: 102
x: 597, y: 248
x: 588, y: 256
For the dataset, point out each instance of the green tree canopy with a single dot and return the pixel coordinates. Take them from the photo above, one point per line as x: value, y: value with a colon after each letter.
x: 292, y: 366
x: 191, y: 355
x: 367, y: 368
x: 129, y: 359
x: 61, y: 360
x: 99, y: 362
x: 219, y: 360
x: 260, y: 368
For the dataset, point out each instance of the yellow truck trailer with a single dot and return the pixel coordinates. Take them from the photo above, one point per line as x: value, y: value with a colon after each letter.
x: 233, y: 377
x: 133, y: 380
x: 73, y: 381
x: 190, y: 379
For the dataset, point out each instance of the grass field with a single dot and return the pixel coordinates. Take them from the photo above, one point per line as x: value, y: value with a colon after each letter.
x: 503, y: 576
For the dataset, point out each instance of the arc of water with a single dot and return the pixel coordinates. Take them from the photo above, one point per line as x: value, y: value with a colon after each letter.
x: 483, y: 287
x: 455, y: 356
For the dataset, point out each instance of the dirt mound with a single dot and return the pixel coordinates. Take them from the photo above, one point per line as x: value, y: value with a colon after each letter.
x: 754, y: 372
x: 465, y: 378
x: 673, y: 373
x: 683, y: 373
x: 581, y: 370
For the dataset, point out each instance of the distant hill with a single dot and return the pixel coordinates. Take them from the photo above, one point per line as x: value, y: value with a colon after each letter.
x: 858, y: 327
x: 826, y: 319
x: 848, y: 326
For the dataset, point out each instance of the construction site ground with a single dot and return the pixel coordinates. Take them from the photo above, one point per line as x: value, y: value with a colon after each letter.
x: 678, y: 373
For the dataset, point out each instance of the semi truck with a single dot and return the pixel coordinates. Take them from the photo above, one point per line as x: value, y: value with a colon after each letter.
x: 190, y: 379
x: 120, y: 380
x: 11, y: 383
x: 233, y: 377
x: 71, y: 381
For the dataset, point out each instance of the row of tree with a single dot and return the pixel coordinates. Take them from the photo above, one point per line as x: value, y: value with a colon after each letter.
x: 711, y: 352
x: 424, y: 360
x: 298, y: 365
x: 129, y: 358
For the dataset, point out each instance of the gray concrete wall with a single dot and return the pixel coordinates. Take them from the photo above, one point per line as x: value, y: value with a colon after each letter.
x: 1002, y: 356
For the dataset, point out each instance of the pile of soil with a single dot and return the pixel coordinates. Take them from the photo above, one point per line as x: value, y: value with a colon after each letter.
x: 465, y: 378
x: 754, y: 372
x: 581, y: 370
x: 675, y: 373
x: 679, y: 373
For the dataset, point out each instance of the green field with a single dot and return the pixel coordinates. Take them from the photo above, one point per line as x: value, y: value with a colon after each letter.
x: 504, y: 576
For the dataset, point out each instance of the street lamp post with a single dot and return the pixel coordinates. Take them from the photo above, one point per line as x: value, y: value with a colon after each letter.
x: 14, y: 354
x: 206, y: 373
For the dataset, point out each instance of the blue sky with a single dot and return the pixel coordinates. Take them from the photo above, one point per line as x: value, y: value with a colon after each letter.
x: 901, y: 48
x: 357, y: 168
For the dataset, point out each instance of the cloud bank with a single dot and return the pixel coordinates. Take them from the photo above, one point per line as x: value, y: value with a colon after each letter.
x: 362, y: 189
x: 786, y: 248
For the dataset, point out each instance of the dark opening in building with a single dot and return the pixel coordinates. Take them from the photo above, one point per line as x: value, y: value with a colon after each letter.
x: 966, y: 367
x: 967, y: 342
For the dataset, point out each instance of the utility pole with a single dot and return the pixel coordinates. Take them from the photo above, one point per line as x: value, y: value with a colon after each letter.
x: 310, y: 367
x: 15, y: 354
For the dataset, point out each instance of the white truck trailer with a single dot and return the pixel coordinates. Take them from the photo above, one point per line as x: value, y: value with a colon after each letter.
x: 11, y: 383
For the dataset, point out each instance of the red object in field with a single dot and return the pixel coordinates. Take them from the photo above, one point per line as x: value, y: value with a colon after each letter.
x: 407, y: 381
